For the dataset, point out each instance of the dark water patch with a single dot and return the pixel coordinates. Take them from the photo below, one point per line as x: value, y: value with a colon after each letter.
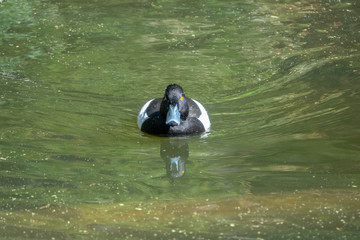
x: 15, y: 182
x: 66, y: 137
x: 11, y: 166
x: 289, y: 63
x: 72, y: 158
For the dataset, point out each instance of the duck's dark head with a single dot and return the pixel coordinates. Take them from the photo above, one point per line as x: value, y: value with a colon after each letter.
x: 174, y: 107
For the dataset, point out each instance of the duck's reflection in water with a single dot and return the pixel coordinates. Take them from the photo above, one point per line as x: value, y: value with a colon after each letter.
x: 174, y: 152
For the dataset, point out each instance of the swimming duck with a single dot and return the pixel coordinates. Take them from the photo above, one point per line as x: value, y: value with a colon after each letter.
x: 173, y: 114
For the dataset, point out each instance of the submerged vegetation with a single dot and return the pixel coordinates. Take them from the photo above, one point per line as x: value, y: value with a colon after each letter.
x: 305, y: 214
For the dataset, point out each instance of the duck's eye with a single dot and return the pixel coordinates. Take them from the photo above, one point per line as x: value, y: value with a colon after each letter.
x: 182, y: 98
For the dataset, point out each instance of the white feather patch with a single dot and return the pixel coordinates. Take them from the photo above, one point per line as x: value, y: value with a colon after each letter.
x: 142, y: 117
x: 204, y: 117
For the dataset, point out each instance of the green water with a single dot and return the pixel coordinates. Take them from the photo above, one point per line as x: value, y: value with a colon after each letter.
x: 280, y: 81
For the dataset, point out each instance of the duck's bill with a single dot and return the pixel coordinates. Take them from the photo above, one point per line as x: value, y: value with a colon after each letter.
x: 173, y: 116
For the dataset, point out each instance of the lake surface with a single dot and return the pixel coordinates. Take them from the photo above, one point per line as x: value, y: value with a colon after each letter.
x: 280, y: 81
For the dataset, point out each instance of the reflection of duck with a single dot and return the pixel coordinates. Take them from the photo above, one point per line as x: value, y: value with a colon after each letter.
x: 174, y: 114
x: 174, y: 152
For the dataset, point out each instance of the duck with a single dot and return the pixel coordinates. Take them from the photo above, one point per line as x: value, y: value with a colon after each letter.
x: 173, y: 114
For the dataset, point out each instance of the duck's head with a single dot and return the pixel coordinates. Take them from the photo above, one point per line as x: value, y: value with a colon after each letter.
x: 174, y: 107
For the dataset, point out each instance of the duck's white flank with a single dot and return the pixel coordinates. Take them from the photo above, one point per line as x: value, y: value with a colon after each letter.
x: 204, y: 117
x: 143, y: 115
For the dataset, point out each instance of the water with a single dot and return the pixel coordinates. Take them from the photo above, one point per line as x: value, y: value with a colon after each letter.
x: 280, y: 81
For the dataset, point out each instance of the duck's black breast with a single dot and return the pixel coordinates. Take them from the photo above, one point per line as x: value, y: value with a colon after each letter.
x: 191, y: 125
